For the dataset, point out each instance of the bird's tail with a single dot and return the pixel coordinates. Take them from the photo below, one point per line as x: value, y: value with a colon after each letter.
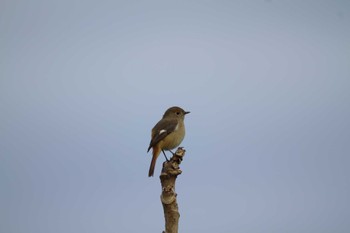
x: 156, y: 152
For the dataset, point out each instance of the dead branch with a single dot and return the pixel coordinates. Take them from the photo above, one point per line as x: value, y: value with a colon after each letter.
x: 168, y: 177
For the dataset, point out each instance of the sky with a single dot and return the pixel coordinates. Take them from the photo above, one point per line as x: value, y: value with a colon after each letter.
x: 267, y: 141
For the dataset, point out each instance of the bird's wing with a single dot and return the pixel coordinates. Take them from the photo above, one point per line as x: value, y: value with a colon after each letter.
x: 162, y: 129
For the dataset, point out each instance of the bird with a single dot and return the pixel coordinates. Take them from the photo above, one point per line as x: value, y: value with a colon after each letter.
x: 167, y: 134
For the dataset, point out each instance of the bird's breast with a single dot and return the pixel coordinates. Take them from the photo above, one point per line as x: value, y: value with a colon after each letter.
x: 173, y: 140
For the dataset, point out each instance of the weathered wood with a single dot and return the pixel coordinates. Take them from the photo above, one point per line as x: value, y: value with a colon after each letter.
x: 168, y: 177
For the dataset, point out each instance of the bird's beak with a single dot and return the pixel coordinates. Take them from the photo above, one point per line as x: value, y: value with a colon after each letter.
x: 187, y: 113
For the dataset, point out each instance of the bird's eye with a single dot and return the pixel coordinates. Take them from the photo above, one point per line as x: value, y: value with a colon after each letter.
x: 177, y: 113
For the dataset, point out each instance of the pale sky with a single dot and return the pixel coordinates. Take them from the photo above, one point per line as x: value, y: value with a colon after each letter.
x: 83, y: 82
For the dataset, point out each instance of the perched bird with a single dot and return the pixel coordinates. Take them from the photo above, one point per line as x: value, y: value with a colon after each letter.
x: 167, y: 134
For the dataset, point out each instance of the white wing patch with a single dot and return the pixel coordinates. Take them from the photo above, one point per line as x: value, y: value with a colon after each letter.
x: 177, y: 126
x: 162, y: 131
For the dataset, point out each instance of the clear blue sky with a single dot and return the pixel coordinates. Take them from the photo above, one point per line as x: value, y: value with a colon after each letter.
x: 83, y: 82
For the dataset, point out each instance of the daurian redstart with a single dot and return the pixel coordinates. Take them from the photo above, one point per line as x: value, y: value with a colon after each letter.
x: 167, y: 134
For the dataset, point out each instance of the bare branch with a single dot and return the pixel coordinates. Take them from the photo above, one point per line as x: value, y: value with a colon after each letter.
x: 168, y: 177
